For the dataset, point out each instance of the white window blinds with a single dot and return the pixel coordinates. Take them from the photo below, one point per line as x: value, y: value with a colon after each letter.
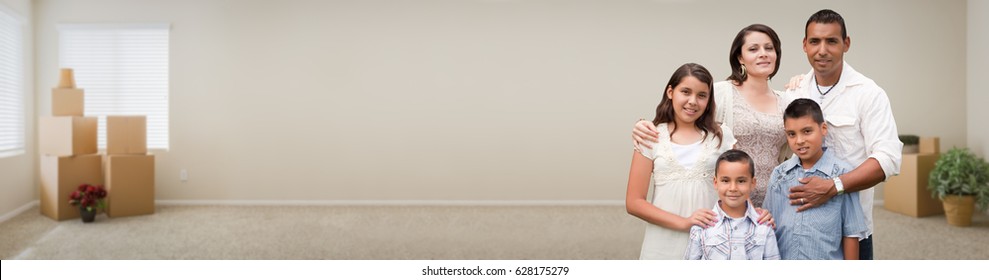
x: 123, y: 70
x: 11, y: 83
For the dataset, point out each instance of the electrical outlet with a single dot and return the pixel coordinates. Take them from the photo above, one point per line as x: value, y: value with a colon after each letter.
x: 183, y: 175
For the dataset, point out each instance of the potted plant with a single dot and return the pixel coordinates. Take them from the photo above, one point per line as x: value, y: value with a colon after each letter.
x: 961, y: 181
x: 911, y: 143
x: 89, y: 198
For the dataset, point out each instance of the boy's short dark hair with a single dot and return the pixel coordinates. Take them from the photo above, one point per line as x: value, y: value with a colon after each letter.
x: 735, y: 155
x: 804, y: 107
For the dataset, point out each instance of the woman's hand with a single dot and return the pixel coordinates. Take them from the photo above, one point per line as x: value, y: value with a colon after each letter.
x: 644, y: 133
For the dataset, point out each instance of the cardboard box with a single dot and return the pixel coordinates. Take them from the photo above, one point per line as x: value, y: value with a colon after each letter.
x: 62, y: 175
x: 929, y: 145
x: 67, y: 136
x: 67, y: 102
x: 66, y: 79
x: 130, y: 183
x: 126, y: 135
x: 907, y: 193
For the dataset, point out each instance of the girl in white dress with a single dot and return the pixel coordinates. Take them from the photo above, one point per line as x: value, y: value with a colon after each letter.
x: 681, y: 164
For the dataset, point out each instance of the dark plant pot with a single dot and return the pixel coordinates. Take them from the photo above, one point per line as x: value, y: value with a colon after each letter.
x: 87, y: 216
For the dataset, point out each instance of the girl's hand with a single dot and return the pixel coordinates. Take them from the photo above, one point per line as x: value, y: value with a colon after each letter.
x: 703, y: 218
x: 644, y: 133
x: 765, y: 218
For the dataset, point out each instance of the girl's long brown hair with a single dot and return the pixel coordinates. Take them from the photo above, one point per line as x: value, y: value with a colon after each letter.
x: 665, y: 113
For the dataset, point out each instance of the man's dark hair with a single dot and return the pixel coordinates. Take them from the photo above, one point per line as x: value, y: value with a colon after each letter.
x: 824, y: 17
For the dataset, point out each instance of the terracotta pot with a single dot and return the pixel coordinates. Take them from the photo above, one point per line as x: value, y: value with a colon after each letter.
x: 958, y: 209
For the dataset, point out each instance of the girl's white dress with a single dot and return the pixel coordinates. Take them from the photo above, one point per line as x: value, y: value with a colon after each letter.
x: 680, y: 190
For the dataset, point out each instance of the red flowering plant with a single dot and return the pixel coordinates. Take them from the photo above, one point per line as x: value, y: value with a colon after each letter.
x: 89, y: 196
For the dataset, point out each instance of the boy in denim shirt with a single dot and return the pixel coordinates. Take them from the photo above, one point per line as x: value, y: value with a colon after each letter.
x: 831, y: 231
x: 736, y: 235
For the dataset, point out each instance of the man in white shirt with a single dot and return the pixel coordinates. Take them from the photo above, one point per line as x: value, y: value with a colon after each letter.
x: 862, y: 130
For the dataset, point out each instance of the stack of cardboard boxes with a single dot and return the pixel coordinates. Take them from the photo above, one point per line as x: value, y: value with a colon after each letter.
x: 69, y: 157
x: 907, y: 193
x: 130, y: 169
x: 67, y: 145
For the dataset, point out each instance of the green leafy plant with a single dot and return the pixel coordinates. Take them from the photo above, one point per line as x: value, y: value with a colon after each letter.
x: 908, y: 139
x: 959, y: 172
x: 89, y: 196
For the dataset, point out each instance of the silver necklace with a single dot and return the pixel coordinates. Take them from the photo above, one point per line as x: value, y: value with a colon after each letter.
x: 825, y: 92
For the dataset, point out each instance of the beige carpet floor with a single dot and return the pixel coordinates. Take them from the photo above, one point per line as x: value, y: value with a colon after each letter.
x: 408, y: 232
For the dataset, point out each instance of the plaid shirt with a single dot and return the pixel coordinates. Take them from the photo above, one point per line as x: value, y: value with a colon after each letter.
x: 745, y: 240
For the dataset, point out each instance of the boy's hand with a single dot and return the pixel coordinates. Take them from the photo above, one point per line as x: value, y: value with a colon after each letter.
x: 814, y: 192
x: 765, y: 217
x: 644, y: 133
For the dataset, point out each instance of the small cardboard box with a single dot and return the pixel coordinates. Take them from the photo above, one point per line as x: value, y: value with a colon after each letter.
x: 126, y: 135
x: 60, y: 176
x: 929, y: 145
x: 67, y: 102
x: 907, y: 193
x: 67, y: 136
x: 130, y: 183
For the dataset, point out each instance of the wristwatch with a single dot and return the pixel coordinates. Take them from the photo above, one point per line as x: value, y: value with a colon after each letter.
x: 838, y: 185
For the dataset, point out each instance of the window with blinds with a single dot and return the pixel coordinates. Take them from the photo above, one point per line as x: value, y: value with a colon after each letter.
x: 123, y: 70
x: 11, y: 83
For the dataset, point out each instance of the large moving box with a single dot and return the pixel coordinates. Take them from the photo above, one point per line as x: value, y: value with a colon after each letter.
x: 67, y: 102
x: 929, y: 145
x: 130, y: 183
x: 62, y: 175
x: 126, y: 135
x: 907, y: 193
x: 67, y: 136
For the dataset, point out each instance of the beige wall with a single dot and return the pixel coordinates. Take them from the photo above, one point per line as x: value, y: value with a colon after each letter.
x: 17, y: 173
x: 472, y: 100
x: 978, y: 96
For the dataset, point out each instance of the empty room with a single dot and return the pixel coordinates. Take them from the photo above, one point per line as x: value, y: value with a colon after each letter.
x: 489, y: 129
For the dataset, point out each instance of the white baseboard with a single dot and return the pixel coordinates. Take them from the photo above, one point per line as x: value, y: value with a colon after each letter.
x: 27, y: 206
x: 878, y: 203
x: 395, y: 202
x: 18, y: 211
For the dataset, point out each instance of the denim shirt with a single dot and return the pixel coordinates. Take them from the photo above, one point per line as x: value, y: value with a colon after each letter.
x: 745, y: 241
x: 816, y: 233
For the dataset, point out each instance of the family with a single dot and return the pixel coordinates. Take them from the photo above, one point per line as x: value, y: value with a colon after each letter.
x: 725, y: 185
